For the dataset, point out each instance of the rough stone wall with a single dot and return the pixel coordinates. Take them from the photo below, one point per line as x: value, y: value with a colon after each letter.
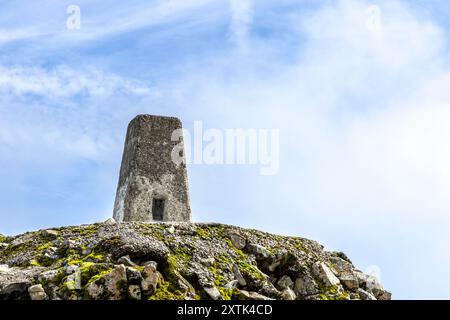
x: 148, y: 172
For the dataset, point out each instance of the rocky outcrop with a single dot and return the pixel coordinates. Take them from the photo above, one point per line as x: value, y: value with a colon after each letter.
x: 175, y: 261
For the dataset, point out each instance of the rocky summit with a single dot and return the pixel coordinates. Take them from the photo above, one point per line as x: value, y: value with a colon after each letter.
x: 145, y: 261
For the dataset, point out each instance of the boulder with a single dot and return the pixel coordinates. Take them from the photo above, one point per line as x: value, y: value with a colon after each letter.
x: 341, y: 266
x: 231, y: 285
x: 321, y: 270
x: 112, y: 286
x: 305, y: 286
x: 350, y: 281
x: 258, y: 250
x: 50, y: 233
x: 125, y: 260
x: 134, y: 292
x: 237, y: 240
x: 37, y: 292
x: 134, y: 276
x: 250, y: 295
x: 110, y: 222
x: 288, y: 294
x: 285, y: 282
x: 48, y: 276
x: 213, y: 293
x: 150, y: 278
x: 382, y: 294
x: 364, y: 295
x: 238, y: 276
x: 269, y: 290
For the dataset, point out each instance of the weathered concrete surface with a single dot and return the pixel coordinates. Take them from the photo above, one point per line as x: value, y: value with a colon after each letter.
x: 148, y: 172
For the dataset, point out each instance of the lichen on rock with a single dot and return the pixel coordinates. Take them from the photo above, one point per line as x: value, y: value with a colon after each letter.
x: 137, y: 260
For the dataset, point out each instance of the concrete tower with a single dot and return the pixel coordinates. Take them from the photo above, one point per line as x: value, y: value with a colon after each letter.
x: 152, y: 187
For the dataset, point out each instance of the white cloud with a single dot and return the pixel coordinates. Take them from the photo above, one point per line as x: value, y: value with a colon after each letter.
x: 63, y: 82
x: 241, y: 18
x: 363, y: 117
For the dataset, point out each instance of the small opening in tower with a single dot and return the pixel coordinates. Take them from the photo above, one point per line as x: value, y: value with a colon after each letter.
x: 158, y: 209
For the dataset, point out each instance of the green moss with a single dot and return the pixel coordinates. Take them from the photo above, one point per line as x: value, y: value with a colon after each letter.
x: 163, y: 292
x: 239, y: 252
x: 4, y: 239
x: 299, y: 245
x: 153, y: 230
x: 99, y: 276
x: 13, y: 250
x: 44, y: 246
x: 202, y: 233
x: 251, y: 270
x: 210, y: 232
x: 88, y: 230
x: 183, y: 254
x: 35, y: 263
x: 94, y: 257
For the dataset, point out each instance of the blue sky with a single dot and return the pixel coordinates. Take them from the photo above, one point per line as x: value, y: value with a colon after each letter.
x: 358, y: 90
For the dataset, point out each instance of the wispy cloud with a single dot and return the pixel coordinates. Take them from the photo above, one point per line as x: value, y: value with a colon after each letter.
x: 64, y: 81
x: 241, y: 18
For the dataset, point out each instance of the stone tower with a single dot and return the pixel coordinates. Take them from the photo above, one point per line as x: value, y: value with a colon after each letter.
x: 152, y: 187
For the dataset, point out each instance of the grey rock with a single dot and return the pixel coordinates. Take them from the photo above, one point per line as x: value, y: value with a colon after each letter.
x: 50, y: 233
x: 150, y: 278
x: 125, y: 260
x: 37, y: 292
x: 48, y: 276
x: 231, y: 285
x: 207, y: 262
x: 321, y: 270
x: 269, y: 290
x: 134, y: 292
x: 237, y: 240
x: 73, y: 281
x: 258, y: 250
x: 171, y: 229
x: 350, y: 281
x: 288, y: 294
x: 53, y: 292
x: 213, y: 293
x: 110, y: 222
x: 70, y: 269
x: 238, y: 276
x: 3, y: 245
x: 364, y: 295
x: 382, y: 294
x: 133, y: 276
x: 4, y: 268
x: 285, y: 282
x: 112, y: 286
x: 341, y: 266
x: 306, y: 286
x: 251, y: 295
x: 153, y: 263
